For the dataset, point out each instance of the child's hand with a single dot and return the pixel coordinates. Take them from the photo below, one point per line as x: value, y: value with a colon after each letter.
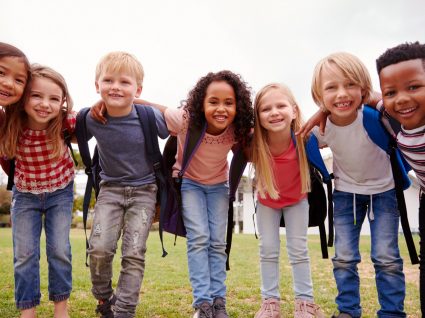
x: 374, y: 99
x: 318, y: 119
x: 97, y: 112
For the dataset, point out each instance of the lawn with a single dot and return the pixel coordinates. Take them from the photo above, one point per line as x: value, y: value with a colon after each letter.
x: 166, y: 289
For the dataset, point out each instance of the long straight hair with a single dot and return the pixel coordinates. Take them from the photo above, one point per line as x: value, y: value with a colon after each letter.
x: 16, y: 118
x: 261, y: 156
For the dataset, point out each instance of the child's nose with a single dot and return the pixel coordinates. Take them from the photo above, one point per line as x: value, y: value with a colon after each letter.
x: 7, y: 81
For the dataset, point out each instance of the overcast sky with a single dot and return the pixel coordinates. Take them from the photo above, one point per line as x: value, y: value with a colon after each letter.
x: 180, y: 41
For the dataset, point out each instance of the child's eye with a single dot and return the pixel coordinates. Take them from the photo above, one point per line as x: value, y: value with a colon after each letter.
x: 35, y: 95
x: 20, y: 81
x: 413, y: 87
x: 389, y: 93
x: 328, y: 88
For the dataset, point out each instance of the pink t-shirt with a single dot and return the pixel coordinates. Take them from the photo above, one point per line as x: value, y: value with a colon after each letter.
x: 209, y: 163
x: 286, y: 171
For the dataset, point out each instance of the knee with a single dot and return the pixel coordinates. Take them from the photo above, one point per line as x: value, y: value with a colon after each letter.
x: 269, y: 251
x: 197, y: 241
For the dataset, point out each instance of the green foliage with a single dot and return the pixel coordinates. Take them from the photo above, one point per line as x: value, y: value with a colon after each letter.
x: 166, y: 291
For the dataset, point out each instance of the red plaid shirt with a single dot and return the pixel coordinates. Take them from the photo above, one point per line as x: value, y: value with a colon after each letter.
x: 36, y: 170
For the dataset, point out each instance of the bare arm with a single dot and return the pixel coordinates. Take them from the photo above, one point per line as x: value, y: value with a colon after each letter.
x: 318, y: 119
x: 161, y: 108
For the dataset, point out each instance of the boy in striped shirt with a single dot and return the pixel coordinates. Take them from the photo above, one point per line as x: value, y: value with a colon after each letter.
x: 401, y: 72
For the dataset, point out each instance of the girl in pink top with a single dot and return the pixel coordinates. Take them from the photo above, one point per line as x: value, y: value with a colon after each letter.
x: 222, y: 100
x: 282, y: 182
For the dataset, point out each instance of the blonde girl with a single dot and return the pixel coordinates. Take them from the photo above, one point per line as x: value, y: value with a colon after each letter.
x: 282, y: 182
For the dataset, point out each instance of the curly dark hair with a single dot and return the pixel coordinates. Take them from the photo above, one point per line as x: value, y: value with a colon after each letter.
x: 400, y: 53
x: 244, y: 119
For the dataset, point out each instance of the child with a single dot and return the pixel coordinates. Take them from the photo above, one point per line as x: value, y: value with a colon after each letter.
x: 341, y: 84
x: 401, y: 72
x: 223, y: 101
x: 44, y: 173
x: 282, y: 181
x: 126, y: 202
x: 14, y: 74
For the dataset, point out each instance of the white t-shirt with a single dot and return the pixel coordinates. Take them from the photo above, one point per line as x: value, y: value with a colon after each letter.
x: 359, y: 165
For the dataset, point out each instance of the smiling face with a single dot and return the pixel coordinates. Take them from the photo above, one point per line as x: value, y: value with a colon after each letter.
x: 276, y: 112
x: 43, y: 103
x: 403, y: 91
x: 13, y: 78
x: 219, y: 107
x: 118, y: 91
x: 340, y: 95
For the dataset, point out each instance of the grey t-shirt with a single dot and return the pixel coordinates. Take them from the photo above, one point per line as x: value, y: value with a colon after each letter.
x: 121, y: 146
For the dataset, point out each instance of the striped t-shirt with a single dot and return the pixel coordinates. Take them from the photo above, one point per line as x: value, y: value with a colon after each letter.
x: 411, y: 143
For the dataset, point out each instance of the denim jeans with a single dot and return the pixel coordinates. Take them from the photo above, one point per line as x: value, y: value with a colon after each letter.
x: 296, y: 221
x: 205, y: 209
x: 27, y: 211
x: 422, y: 252
x: 385, y: 253
x: 128, y: 211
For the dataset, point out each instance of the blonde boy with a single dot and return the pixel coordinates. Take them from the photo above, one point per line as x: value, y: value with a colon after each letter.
x: 126, y: 202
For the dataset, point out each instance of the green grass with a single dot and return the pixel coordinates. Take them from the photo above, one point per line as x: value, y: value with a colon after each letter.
x: 166, y: 290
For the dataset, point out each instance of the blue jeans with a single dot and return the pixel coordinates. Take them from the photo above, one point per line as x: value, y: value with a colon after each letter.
x: 205, y: 209
x: 296, y: 221
x: 27, y: 221
x: 130, y: 211
x: 385, y: 255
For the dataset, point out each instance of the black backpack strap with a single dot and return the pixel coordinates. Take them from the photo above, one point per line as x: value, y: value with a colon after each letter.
x: 398, y: 180
x: 237, y: 167
x: 329, y: 192
x: 193, y: 140
x: 83, y: 146
x: 11, y: 174
x: 153, y: 153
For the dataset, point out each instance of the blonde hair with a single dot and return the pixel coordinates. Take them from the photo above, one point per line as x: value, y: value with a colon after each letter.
x: 350, y: 66
x: 120, y: 62
x: 261, y: 155
x: 16, y: 117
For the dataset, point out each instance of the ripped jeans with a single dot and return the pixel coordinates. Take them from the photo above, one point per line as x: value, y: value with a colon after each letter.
x: 128, y: 211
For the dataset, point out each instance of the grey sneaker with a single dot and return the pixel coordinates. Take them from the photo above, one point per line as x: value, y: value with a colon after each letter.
x: 219, y: 308
x: 104, y: 307
x: 205, y: 310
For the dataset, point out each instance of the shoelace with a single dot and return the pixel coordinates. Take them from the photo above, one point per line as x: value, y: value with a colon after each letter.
x: 205, y: 312
x: 270, y: 306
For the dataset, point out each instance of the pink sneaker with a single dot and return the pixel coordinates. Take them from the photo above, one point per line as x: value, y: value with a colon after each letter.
x: 307, y: 309
x: 270, y: 308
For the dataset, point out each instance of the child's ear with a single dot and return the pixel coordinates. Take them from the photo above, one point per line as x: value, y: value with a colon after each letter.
x: 294, y: 111
x: 97, y: 86
x: 139, y: 91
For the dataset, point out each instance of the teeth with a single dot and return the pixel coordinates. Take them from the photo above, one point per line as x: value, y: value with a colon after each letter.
x: 407, y: 110
x: 342, y: 104
x: 4, y: 94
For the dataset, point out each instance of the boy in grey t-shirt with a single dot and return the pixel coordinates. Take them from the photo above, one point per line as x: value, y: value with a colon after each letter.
x: 126, y: 201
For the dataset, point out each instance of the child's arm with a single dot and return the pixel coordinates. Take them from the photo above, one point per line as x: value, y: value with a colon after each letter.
x: 318, y: 119
x: 98, y: 110
x: 161, y: 108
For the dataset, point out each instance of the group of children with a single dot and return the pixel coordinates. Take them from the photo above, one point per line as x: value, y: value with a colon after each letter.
x: 37, y: 106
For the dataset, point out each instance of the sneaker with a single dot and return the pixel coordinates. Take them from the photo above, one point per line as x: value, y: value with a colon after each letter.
x: 270, y: 308
x: 205, y: 310
x: 104, y: 307
x: 307, y: 309
x: 341, y: 315
x: 219, y: 308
